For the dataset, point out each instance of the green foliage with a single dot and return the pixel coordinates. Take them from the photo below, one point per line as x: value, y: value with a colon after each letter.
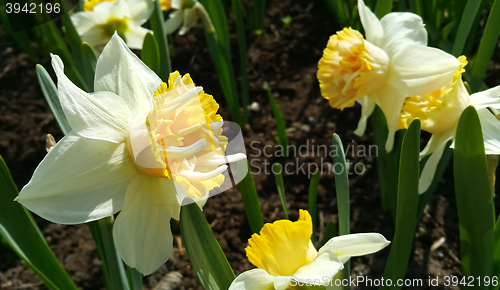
x: 250, y: 201
x: 203, y: 250
x: 313, y: 202
x: 150, y: 53
x: 278, y: 177
x: 342, y: 190
x: 157, y: 25
x: 407, y: 204
x: 476, y: 213
x: 239, y: 14
x: 21, y: 232
x: 280, y: 122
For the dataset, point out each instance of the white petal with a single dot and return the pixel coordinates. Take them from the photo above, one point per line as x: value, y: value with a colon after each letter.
x: 419, y: 69
x: 135, y: 36
x: 83, y: 21
x: 176, y: 4
x: 281, y: 282
x: 491, y: 131
x: 252, y: 280
x: 354, y: 245
x: 429, y: 170
x: 142, y: 230
x: 488, y: 98
x: 435, y: 141
x: 120, y: 71
x: 118, y: 9
x: 102, y: 117
x: 95, y: 37
x: 325, y: 265
x: 140, y: 10
x: 401, y: 29
x: 390, y: 102
x: 80, y: 180
x: 174, y: 22
x: 367, y: 106
x: 373, y: 29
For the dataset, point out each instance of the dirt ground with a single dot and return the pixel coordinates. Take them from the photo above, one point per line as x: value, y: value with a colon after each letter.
x: 287, y: 58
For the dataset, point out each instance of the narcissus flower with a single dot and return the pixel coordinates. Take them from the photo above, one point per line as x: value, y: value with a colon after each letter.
x: 392, y: 63
x: 439, y: 112
x: 284, y: 252
x: 138, y: 146
x: 101, y: 18
x: 186, y: 17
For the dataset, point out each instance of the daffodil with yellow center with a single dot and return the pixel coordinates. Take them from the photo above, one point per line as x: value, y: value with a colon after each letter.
x: 439, y: 112
x: 283, y: 252
x: 99, y: 20
x: 138, y: 146
x: 186, y: 16
x: 393, y: 62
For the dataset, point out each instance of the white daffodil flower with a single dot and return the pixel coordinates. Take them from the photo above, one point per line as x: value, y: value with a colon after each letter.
x: 439, y: 113
x: 138, y: 146
x: 188, y: 13
x: 284, y: 255
x: 101, y: 18
x: 392, y: 63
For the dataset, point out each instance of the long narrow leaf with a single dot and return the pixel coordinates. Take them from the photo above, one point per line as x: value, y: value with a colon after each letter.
x: 134, y: 279
x: 280, y: 122
x: 466, y: 22
x: 250, y: 201
x: 313, y: 198
x: 20, y: 230
x: 157, y: 25
x: 89, y: 61
x: 407, y: 203
x: 150, y: 53
x: 476, y: 213
x: 204, y: 252
x: 342, y: 190
x: 49, y: 91
x: 383, y: 7
x: 239, y: 12
x: 340, y: 12
x: 278, y: 177
x: 486, y: 47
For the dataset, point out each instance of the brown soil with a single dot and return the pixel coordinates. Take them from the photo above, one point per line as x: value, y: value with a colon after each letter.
x: 287, y: 58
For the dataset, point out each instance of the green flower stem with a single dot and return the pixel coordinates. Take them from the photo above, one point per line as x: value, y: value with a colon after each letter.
x: 112, y: 265
x: 157, y: 22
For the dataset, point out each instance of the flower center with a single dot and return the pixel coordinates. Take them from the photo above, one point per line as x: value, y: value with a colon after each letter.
x: 89, y: 5
x: 120, y: 25
x: 351, y: 68
x: 438, y: 110
x: 283, y: 247
x: 180, y: 138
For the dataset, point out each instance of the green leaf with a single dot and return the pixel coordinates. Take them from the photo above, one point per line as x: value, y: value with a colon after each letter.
x: 280, y: 122
x: 417, y: 7
x: 486, y: 47
x: 21, y: 232
x: 476, y: 213
x: 112, y: 265
x: 407, y: 203
x: 387, y: 163
x: 49, y: 91
x: 134, y: 279
x: 89, y: 61
x: 383, y: 7
x: 278, y: 177
x: 466, y: 22
x: 330, y: 232
x: 259, y: 14
x: 157, y: 25
x: 340, y: 11
x: 250, y: 201
x: 239, y: 12
x: 204, y: 252
x: 313, y: 197
x: 150, y: 53
x: 342, y: 190
x: 219, y: 47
